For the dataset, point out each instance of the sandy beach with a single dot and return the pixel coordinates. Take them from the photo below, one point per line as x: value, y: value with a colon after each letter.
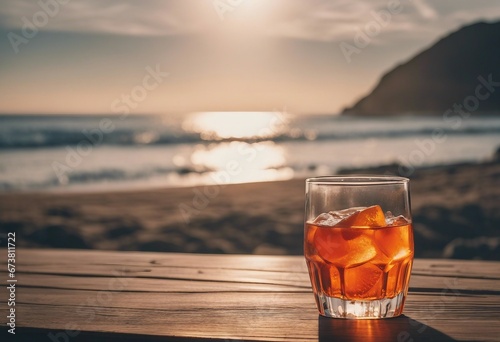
x: 456, y: 214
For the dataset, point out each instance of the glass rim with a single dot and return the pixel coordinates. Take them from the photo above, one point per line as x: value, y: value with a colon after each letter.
x: 361, y: 179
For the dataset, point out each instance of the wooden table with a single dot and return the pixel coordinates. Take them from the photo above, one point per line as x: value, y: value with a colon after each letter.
x: 72, y: 295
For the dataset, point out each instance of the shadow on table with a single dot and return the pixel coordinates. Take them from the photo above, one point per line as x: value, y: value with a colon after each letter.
x: 46, y: 335
x: 401, y: 329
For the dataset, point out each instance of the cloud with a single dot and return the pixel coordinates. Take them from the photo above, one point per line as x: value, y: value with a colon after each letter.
x: 153, y: 17
x: 340, y: 20
x: 315, y: 20
x: 425, y: 10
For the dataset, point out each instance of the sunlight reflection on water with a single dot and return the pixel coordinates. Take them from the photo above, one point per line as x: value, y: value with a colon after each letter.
x: 237, y: 162
x: 238, y: 158
x: 236, y: 125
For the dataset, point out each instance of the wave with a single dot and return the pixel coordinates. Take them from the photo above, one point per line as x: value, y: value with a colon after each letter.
x: 108, y: 176
x: 19, y: 138
x: 98, y: 176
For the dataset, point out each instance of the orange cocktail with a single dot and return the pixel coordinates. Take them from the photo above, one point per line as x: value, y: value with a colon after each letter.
x: 359, y: 261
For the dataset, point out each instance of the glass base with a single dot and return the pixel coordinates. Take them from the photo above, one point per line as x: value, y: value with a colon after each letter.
x: 361, y: 309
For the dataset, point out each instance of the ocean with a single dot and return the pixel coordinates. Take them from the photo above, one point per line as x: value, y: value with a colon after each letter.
x: 103, y: 153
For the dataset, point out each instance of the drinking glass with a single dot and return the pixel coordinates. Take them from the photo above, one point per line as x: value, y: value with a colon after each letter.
x: 358, y: 245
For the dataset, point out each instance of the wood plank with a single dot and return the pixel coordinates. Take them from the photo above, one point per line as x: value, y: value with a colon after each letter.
x: 63, y: 257
x: 161, y: 285
x: 281, y: 270
x: 199, y: 274
x: 256, y: 298
x: 134, y: 261
x: 245, y: 316
x: 260, y: 281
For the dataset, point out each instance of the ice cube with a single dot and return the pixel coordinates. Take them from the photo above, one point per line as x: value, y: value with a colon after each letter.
x: 334, y: 248
x: 396, y: 220
x: 330, y: 244
x: 395, y: 242
x: 345, y: 213
x: 371, y: 217
x: 361, y: 250
x: 324, y: 219
x: 333, y: 217
x: 339, y: 242
x: 364, y: 282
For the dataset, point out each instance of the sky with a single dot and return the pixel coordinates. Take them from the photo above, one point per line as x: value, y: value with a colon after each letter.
x: 180, y: 56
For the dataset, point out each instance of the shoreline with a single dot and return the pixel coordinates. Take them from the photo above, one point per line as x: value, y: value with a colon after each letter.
x: 384, y: 169
x: 456, y: 214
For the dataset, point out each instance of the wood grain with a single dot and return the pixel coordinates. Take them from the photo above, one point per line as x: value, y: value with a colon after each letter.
x: 131, y: 296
